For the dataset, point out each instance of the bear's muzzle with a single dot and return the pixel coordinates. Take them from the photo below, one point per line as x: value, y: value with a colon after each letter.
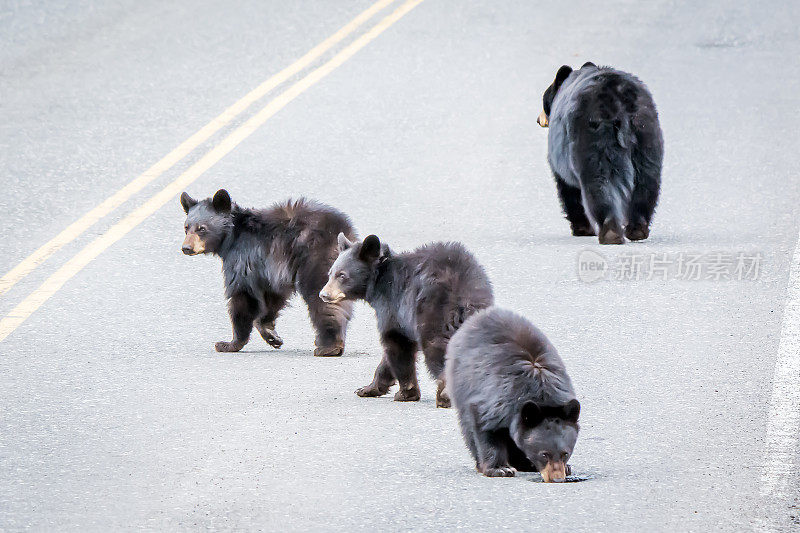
x: 543, y: 121
x: 331, y: 293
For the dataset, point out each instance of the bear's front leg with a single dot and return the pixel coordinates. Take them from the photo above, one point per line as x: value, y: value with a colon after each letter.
x: 572, y: 205
x: 492, y: 451
x: 243, y: 309
x: 330, y: 322
x: 442, y: 398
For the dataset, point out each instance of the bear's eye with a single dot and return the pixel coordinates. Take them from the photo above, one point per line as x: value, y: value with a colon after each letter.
x: 545, y: 455
x: 341, y: 276
x: 564, y: 456
x: 201, y: 229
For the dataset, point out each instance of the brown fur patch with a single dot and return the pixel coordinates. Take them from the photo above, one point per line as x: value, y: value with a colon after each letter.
x: 332, y: 292
x: 543, y: 120
x: 194, y: 242
x: 554, y: 471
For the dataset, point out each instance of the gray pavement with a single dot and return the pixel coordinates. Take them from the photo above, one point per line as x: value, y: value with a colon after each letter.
x: 115, y: 411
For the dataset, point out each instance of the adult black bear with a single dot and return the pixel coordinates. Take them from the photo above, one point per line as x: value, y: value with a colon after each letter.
x: 605, y: 149
x: 267, y: 255
x: 420, y: 299
x: 515, y: 401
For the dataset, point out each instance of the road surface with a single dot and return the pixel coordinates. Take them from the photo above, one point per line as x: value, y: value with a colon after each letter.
x: 117, y: 413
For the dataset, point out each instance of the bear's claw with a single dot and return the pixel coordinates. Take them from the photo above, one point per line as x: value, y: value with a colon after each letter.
x: 334, y: 350
x: 442, y: 398
x: 223, y: 346
x: 272, y: 338
x: 638, y: 232
x: 611, y: 234
x: 370, y: 391
x: 500, y: 471
x: 407, y: 395
x: 583, y: 231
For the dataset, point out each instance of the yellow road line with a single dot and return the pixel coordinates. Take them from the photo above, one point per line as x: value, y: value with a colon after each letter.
x: 26, y: 308
x: 74, y: 230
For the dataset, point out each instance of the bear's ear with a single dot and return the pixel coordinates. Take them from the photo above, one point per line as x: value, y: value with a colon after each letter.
x: 571, y: 411
x: 187, y: 202
x: 221, y: 201
x: 343, y: 242
x: 531, y: 415
x: 370, y: 249
x: 562, y: 74
x: 588, y: 64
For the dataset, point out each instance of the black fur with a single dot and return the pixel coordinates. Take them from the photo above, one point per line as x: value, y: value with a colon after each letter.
x: 420, y: 299
x: 606, y: 149
x: 268, y: 255
x: 516, y: 405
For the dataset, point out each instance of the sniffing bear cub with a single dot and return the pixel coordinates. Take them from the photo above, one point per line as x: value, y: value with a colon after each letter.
x: 267, y: 255
x: 605, y: 149
x: 516, y: 406
x: 420, y: 299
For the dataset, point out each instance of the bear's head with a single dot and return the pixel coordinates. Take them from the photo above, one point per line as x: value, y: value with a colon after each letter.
x: 352, y: 271
x: 208, y: 222
x: 547, y: 435
x: 550, y: 94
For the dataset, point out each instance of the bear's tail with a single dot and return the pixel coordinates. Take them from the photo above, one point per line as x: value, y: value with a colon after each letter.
x: 607, y: 114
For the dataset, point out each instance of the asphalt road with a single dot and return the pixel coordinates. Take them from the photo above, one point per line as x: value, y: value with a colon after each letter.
x: 117, y: 413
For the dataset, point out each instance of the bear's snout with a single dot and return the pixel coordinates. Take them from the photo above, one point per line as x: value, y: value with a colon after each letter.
x: 554, y: 472
x: 193, y: 245
x: 331, y: 294
x: 542, y: 120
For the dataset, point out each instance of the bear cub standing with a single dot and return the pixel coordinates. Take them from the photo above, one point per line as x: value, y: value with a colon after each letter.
x: 268, y: 255
x: 605, y: 149
x: 420, y: 299
x: 516, y: 406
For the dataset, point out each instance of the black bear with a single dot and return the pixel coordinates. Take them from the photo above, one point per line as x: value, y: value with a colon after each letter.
x: 267, y: 255
x: 605, y: 149
x: 420, y: 299
x: 516, y: 406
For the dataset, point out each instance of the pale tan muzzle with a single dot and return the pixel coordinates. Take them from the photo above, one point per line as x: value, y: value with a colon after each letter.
x: 554, y: 472
x: 542, y: 120
x: 193, y: 244
x: 331, y: 293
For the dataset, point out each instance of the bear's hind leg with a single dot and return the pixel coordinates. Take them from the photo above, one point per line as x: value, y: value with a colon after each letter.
x: 265, y: 324
x: 330, y: 322
x: 380, y: 383
x: 643, y: 203
x: 434, y: 360
x: 573, y: 208
x: 603, y: 205
x: 243, y: 309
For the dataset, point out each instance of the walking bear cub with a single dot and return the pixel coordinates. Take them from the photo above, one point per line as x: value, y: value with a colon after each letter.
x: 516, y: 406
x: 605, y: 149
x: 268, y: 255
x: 420, y: 299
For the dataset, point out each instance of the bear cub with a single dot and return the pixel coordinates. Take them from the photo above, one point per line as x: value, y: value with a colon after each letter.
x: 268, y: 255
x: 605, y: 149
x: 516, y: 406
x: 420, y: 299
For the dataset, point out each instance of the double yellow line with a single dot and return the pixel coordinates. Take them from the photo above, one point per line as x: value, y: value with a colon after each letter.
x: 52, y: 284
